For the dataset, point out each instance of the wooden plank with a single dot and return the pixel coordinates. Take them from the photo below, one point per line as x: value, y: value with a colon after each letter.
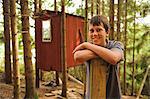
x: 97, y: 79
x: 143, y: 82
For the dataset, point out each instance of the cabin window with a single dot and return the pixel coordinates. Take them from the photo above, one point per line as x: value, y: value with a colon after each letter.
x: 46, y: 31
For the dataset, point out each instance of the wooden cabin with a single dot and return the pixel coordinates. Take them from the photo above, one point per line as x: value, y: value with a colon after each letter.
x: 48, y: 39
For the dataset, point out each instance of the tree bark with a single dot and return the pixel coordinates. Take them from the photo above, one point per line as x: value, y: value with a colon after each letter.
x: 55, y: 6
x: 6, y: 13
x: 118, y: 21
x: 36, y: 10
x: 92, y: 6
x: 125, y: 45
x: 86, y: 20
x: 133, y: 63
x: 103, y: 7
x: 63, y: 44
x: 98, y: 7
x: 111, y: 19
x: 16, y: 74
x: 29, y: 76
x: 56, y: 73
x: 85, y: 39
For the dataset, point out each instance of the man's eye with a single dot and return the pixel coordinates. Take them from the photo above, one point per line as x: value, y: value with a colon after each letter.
x: 98, y: 30
x: 91, y: 31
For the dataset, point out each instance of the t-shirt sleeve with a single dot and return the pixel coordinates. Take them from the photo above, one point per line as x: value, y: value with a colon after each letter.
x: 119, y: 47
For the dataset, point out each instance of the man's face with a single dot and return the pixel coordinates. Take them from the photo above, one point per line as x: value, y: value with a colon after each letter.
x: 98, y: 35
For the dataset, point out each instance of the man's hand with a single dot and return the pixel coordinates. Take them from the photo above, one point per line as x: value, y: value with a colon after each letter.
x: 81, y: 47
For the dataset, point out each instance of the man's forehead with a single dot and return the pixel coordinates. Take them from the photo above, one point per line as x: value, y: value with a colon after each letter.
x: 96, y: 26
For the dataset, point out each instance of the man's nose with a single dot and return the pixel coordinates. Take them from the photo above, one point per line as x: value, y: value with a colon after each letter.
x: 95, y: 33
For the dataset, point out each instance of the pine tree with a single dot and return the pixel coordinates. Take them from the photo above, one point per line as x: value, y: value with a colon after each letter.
x: 29, y: 76
x: 111, y: 19
x: 15, y: 50
x: 63, y: 64
x: 8, y: 73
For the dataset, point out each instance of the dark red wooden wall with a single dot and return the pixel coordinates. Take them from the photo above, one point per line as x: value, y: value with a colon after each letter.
x: 48, y: 54
x: 75, y: 25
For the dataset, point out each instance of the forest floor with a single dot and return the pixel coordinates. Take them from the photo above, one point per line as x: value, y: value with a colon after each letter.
x: 47, y: 90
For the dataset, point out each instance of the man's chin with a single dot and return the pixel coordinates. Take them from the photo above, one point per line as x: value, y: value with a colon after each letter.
x: 97, y: 44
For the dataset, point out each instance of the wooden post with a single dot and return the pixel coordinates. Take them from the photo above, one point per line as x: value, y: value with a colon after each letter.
x: 63, y: 50
x: 57, y: 78
x: 37, y: 8
x: 143, y: 82
x: 97, y: 79
x: 85, y: 39
x: 56, y: 73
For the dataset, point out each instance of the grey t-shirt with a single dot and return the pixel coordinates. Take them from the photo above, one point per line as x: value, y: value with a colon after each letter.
x: 113, y: 89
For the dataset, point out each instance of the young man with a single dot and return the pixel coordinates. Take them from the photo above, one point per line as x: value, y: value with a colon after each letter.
x: 100, y: 46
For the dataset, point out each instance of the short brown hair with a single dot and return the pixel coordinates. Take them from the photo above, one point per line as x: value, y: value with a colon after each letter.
x: 100, y: 20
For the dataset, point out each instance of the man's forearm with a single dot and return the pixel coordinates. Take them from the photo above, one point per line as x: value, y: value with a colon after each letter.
x: 111, y: 56
x: 84, y: 55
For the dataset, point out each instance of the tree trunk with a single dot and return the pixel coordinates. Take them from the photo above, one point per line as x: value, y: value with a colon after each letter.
x: 86, y: 20
x: 36, y: 10
x: 16, y: 74
x: 118, y: 21
x: 56, y: 73
x: 29, y: 76
x: 85, y: 39
x: 103, y: 7
x: 98, y: 7
x: 92, y: 5
x: 8, y: 73
x: 40, y: 5
x: 133, y: 64
x: 111, y: 19
x: 55, y: 5
x: 118, y: 25
x: 63, y: 56
x: 125, y: 45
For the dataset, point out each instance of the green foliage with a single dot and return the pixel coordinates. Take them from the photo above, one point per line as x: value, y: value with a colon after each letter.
x: 142, y: 46
x: 1, y: 57
x: 78, y: 72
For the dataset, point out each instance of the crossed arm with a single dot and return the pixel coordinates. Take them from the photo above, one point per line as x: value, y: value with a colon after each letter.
x: 87, y: 51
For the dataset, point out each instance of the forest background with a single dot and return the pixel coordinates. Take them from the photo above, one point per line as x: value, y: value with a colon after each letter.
x: 137, y: 43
